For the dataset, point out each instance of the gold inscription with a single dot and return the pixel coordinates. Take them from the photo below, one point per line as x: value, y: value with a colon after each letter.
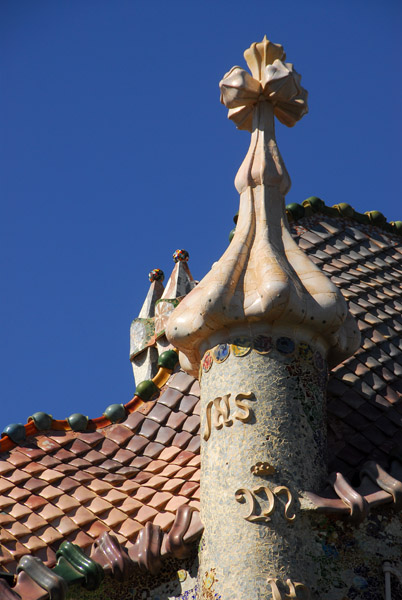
x: 245, y: 494
x: 294, y: 588
x: 217, y: 412
x: 254, y: 503
x: 282, y: 489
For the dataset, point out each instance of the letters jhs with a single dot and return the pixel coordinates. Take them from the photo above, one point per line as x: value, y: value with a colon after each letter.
x: 217, y: 412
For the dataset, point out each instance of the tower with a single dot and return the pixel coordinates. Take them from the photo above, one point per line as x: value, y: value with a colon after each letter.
x: 261, y: 328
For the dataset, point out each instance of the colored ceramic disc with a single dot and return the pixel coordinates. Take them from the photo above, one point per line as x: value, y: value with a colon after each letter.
x: 262, y: 344
x: 207, y: 362
x: 285, y: 345
x: 305, y: 352
x: 241, y: 346
x: 221, y: 352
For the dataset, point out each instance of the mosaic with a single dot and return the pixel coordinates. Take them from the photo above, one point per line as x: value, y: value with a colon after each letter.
x: 163, y: 310
x: 242, y: 512
x: 347, y: 557
x: 220, y: 353
x: 141, y: 333
x: 262, y: 344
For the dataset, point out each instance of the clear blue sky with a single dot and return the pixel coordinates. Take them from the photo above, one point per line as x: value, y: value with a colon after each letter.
x: 115, y: 151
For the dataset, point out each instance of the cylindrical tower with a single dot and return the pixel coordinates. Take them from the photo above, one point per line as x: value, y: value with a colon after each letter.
x: 260, y: 329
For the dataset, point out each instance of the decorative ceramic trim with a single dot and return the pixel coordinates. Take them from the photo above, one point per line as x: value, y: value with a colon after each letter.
x: 313, y: 205
x: 262, y: 344
x: 107, y: 556
x: 377, y: 486
x: 17, y: 433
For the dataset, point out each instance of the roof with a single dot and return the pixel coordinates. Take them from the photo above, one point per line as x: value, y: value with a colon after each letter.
x: 65, y: 485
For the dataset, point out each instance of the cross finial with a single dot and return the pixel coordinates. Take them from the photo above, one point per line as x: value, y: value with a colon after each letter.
x: 272, y: 80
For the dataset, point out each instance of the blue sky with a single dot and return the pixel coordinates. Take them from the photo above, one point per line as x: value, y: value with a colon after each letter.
x: 115, y: 151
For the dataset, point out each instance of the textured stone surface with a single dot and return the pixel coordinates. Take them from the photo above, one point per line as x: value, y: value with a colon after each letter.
x: 286, y: 429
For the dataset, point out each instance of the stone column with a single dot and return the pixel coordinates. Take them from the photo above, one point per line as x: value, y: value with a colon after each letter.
x: 260, y: 328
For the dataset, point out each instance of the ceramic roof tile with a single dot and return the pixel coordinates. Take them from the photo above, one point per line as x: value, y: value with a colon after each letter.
x: 171, y: 398
x: 164, y: 520
x: 176, y: 420
x: 5, y: 467
x: 96, y: 529
x: 134, y: 420
x: 159, y: 413
x: 153, y: 449
x: 98, y: 505
x: 137, y: 444
x: 192, y: 424
x: 18, y: 494
x: 114, y: 479
x: 18, y: 459
x: 97, y: 471
x: 78, y: 447
x: 187, y: 403
x: 149, y: 428
x: 130, y: 506
x: 18, y: 477
x: 82, y: 477
x: 157, y: 481
x: 159, y: 500
x: 107, y: 447
x: 19, y: 510
x: 142, y: 477
x: 33, y: 543
x: 165, y: 435
x: 175, y: 502
x: 145, y: 514
x: 155, y: 466
x: 140, y: 462
x: 182, y: 439
x: 170, y: 470
x: 130, y: 528
x: 181, y: 382
x: 119, y: 434
x: 171, y: 485
x: 46, y: 443
x: 6, y: 485
x: 99, y: 486
x: 81, y: 516
x: 143, y: 493
x: 195, y: 389
x: 83, y: 494
x: 17, y: 529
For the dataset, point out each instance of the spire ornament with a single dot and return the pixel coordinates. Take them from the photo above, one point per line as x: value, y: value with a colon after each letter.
x: 263, y: 278
x: 260, y: 329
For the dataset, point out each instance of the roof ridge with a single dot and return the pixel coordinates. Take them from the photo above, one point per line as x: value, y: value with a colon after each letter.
x: 312, y: 205
x: 16, y: 433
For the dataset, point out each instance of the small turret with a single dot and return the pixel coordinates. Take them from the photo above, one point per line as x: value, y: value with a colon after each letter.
x: 143, y: 354
x: 147, y: 331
